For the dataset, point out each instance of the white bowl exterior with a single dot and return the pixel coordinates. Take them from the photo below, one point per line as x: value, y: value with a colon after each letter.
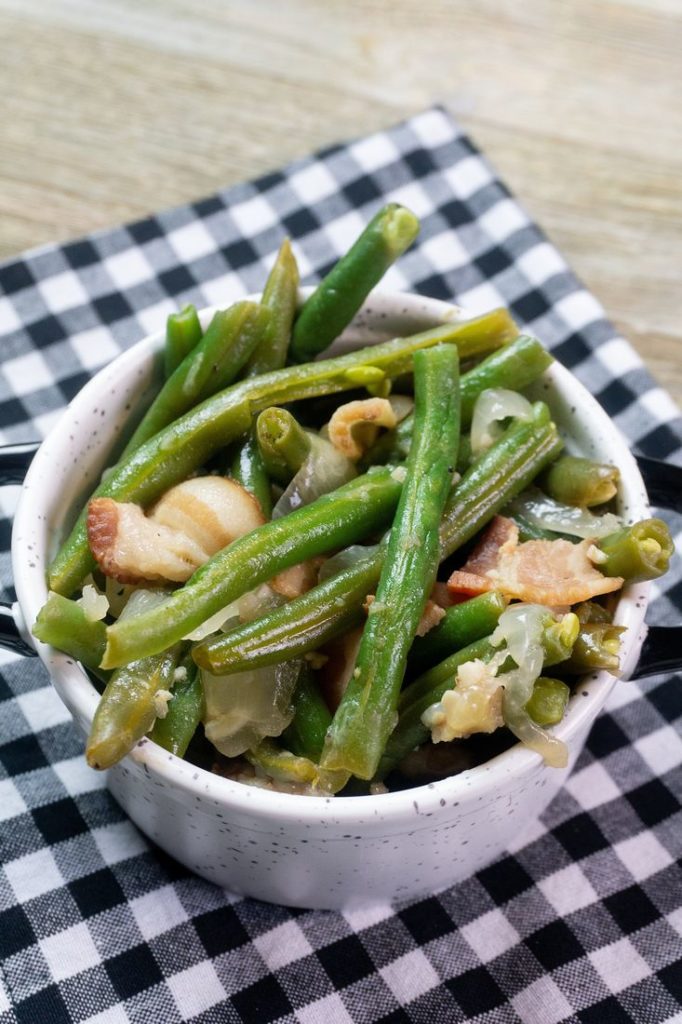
x: 311, y: 851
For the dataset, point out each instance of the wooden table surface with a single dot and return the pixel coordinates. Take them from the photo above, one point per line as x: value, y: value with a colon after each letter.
x: 114, y: 108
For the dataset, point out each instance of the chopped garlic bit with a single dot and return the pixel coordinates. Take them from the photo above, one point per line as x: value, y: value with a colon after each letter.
x: 180, y: 674
x: 474, y: 706
x: 399, y: 474
x: 95, y: 605
x: 161, y: 698
x: 596, y: 555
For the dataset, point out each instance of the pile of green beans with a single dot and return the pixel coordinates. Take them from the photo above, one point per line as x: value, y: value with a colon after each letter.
x: 228, y: 405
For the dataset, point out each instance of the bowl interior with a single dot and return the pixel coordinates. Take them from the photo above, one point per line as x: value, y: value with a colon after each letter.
x: 94, y: 428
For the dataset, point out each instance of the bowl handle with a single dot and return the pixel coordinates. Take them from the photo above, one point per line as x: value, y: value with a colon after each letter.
x: 14, y: 462
x: 662, y: 647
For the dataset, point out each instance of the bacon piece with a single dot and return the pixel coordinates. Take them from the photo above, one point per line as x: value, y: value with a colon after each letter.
x: 549, y: 572
x: 355, y: 425
x: 298, y: 579
x: 190, y: 523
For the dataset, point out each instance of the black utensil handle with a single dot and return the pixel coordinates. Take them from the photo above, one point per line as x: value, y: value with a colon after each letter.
x: 663, y: 482
x: 661, y: 652
x: 662, y: 647
x: 14, y: 462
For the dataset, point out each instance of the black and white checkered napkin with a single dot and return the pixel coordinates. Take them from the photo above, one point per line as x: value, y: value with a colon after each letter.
x: 582, y: 921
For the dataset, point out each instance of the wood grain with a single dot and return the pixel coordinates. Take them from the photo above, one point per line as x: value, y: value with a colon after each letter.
x: 113, y: 109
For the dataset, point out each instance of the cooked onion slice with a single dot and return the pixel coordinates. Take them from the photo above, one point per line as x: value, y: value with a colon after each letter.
x: 245, y: 707
x: 354, y: 426
x: 541, y: 511
x: 492, y: 407
x: 323, y: 470
x: 547, y: 572
x: 190, y: 523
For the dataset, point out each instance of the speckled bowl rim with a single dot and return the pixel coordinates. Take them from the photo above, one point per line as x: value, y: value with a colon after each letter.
x: 81, y: 698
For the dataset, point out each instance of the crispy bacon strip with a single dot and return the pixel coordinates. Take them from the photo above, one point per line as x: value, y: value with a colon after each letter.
x: 549, y: 572
x: 190, y: 523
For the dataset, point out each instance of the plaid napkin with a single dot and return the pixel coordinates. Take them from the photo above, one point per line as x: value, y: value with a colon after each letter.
x: 582, y: 920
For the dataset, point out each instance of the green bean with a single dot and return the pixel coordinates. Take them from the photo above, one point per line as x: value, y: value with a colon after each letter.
x: 637, y: 553
x: 249, y: 470
x: 332, y: 521
x: 366, y: 714
x: 575, y: 481
x: 283, y: 766
x: 180, y: 448
x: 228, y: 342
x: 183, y: 334
x: 460, y: 626
x: 283, y: 444
x: 299, y: 626
x: 280, y: 296
x: 64, y: 624
x: 596, y: 647
x: 500, y: 473
x: 304, y: 735
x: 126, y: 711
x: 335, y: 605
x: 185, y: 711
x: 515, y: 365
x: 337, y: 299
x: 548, y: 701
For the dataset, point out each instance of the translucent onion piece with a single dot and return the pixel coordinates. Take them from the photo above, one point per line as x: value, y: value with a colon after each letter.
x: 324, y: 469
x: 245, y: 608
x: 402, y: 406
x: 492, y: 406
x: 345, y: 559
x: 521, y: 627
x: 245, y: 707
x: 548, y: 514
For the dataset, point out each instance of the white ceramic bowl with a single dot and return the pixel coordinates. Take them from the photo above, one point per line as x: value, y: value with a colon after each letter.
x: 311, y: 851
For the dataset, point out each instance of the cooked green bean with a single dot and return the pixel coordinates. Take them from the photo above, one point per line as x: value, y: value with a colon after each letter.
x: 575, y: 481
x: 548, y: 702
x: 180, y: 448
x: 249, y: 470
x: 183, y: 334
x: 597, y: 647
x: 184, y: 713
x: 229, y: 340
x: 283, y: 444
x: 126, y: 711
x: 337, y: 299
x: 637, y: 553
x: 299, y: 626
x: 460, y: 626
x: 333, y: 521
x: 303, y: 624
x: 305, y: 734
x: 283, y: 766
x: 366, y: 714
x: 280, y: 296
x: 64, y: 624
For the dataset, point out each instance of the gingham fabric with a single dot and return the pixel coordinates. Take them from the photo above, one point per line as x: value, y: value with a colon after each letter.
x: 582, y: 920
